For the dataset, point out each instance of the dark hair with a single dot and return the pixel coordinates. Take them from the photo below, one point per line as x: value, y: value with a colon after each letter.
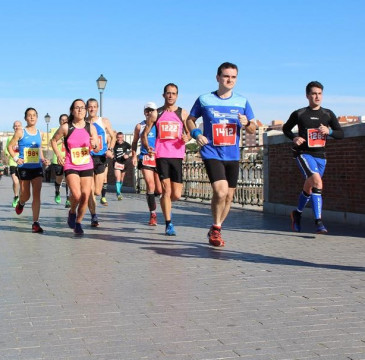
x: 71, y: 117
x: 91, y: 100
x: 59, y: 119
x: 30, y: 108
x: 312, y: 84
x: 119, y: 133
x: 226, y: 65
x: 170, y: 84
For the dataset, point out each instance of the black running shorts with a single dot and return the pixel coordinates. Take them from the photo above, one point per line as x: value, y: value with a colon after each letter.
x: 169, y: 169
x: 222, y: 170
x: 29, y: 174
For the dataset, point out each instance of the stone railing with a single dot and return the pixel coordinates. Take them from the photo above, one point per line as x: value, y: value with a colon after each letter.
x: 196, y: 184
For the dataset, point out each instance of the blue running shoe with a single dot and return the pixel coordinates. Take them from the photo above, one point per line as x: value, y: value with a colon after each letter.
x: 295, y: 217
x: 78, y: 229
x: 321, y: 229
x: 170, y: 230
x: 71, y: 220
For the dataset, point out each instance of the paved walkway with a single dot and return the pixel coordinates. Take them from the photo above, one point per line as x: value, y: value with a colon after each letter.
x: 126, y: 291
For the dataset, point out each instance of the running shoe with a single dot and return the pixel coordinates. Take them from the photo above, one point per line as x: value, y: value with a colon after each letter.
x: 94, y: 220
x: 153, y: 220
x: 321, y: 229
x: 71, y: 220
x: 36, y: 228
x: 15, y: 201
x: 295, y: 217
x: 170, y: 230
x: 19, y: 208
x: 119, y: 196
x: 57, y: 199
x: 78, y: 229
x: 103, y: 201
x: 214, y: 236
x: 67, y: 204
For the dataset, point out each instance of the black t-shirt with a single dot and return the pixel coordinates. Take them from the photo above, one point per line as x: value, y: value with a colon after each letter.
x: 308, y: 122
x: 120, y: 150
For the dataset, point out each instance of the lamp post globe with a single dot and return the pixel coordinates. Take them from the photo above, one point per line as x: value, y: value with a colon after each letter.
x: 47, y: 119
x: 101, y: 83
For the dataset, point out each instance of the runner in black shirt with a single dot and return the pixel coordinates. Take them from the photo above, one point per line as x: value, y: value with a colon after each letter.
x: 122, y: 151
x: 315, y: 124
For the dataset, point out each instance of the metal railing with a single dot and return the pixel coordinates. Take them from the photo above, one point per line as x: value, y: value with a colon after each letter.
x: 196, y: 184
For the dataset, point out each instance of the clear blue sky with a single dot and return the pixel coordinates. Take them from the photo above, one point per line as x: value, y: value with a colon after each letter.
x: 53, y: 51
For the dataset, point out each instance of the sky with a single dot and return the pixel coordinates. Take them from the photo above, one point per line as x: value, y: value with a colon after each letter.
x: 52, y: 52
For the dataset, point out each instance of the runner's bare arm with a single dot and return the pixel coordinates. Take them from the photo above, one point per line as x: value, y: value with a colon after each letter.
x: 200, y: 139
x: 137, y: 130
x: 150, y: 121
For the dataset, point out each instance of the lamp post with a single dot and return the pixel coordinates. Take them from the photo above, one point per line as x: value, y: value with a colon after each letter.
x: 47, y: 118
x: 101, y: 82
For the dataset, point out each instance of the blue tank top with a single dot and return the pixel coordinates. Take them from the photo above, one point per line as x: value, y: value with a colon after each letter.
x: 101, y: 136
x: 30, y: 150
x: 151, y: 137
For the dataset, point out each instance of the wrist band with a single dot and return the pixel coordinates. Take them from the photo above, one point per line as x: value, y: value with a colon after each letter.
x: 16, y: 158
x: 195, y: 133
x: 330, y: 132
x: 248, y: 124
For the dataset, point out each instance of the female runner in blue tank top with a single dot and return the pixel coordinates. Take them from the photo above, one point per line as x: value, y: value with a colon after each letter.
x: 29, y: 162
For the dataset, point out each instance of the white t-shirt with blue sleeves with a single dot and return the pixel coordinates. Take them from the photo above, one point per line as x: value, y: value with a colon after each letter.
x: 221, y: 124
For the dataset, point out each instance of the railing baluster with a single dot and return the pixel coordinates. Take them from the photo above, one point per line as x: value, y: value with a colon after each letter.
x: 250, y: 185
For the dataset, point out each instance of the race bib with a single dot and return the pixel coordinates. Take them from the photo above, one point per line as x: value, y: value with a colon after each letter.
x: 315, y: 138
x: 149, y: 160
x: 169, y: 130
x: 224, y: 134
x: 118, y: 166
x: 31, y: 155
x: 80, y: 156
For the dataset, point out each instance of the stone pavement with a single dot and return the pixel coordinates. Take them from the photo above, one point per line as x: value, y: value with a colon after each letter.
x: 126, y: 291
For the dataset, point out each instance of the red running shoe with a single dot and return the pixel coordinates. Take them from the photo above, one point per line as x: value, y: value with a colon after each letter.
x: 36, y: 228
x: 153, y: 220
x: 214, y: 236
x: 19, y: 208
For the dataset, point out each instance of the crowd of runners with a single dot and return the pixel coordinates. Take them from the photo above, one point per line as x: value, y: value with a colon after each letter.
x: 85, y: 143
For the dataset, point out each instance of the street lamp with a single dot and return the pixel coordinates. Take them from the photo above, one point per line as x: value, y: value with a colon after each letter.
x: 101, y: 82
x: 47, y: 119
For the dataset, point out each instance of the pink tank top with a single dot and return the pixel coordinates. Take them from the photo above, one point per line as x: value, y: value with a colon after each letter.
x: 169, y: 143
x: 78, y: 153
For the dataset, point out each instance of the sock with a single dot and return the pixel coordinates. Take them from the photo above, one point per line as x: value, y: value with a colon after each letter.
x: 57, y: 188
x: 151, y: 201
x: 317, y: 205
x: 167, y: 223
x: 303, y: 201
x: 118, y: 187
x: 103, y: 190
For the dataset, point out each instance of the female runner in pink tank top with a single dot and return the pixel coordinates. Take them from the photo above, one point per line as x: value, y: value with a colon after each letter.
x: 80, y: 137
